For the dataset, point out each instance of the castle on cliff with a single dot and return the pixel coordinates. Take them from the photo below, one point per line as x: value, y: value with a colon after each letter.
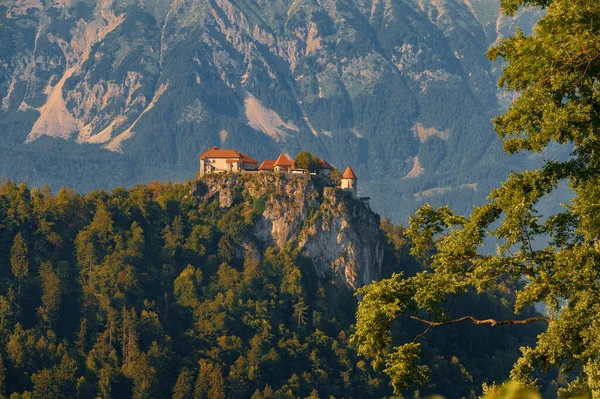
x: 217, y: 160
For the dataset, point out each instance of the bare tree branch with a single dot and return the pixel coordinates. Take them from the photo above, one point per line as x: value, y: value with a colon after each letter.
x: 429, y: 327
x: 490, y: 322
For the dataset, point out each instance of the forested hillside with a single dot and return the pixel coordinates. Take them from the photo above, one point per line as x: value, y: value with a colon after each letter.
x: 169, y: 290
x: 96, y: 94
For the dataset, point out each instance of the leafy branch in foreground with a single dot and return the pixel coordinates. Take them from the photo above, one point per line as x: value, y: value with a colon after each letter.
x: 553, y: 259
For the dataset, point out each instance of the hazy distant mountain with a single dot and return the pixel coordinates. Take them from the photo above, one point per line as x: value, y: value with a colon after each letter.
x: 134, y: 90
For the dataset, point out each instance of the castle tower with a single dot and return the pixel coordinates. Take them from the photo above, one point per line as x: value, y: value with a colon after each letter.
x: 349, y: 182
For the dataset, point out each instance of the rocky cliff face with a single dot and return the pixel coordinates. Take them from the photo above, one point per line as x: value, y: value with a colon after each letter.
x: 400, y: 89
x: 339, y: 233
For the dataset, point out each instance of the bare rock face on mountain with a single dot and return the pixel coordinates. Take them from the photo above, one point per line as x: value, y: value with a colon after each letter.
x: 338, y: 232
x: 400, y: 89
x: 345, y: 236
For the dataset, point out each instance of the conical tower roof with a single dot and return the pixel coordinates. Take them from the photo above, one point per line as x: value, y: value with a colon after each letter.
x: 349, y: 174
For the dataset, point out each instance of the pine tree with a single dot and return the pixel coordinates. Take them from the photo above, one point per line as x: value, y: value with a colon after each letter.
x: 186, y: 287
x: 51, y: 293
x: 174, y: 237
x: 129, y: 340
x: 2, y: 378
x: 144, y: 378
x: 202, y: 384
x: 19, y: 260
x: 300, y: 311
x: 136, y: 243
x: 217, y: 386
x: 209, y: 384
x: 185, y: 385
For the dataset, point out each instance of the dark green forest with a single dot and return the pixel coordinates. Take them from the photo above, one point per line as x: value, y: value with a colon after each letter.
x: 144, y: 293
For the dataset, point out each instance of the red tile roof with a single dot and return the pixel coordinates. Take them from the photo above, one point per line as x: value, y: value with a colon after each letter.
x: 349, y: 174
x: 215, y: 152
x: 267, y: 164
x: 282, y: 160
x: 325, y: 164
x: 247, y: 159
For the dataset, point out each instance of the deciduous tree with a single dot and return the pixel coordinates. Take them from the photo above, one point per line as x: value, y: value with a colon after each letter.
x: 306, y: 160
x: 555, y: 72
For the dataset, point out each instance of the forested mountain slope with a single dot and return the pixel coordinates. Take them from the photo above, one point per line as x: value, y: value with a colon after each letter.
x: 187, y: 291
x: 101, y: 93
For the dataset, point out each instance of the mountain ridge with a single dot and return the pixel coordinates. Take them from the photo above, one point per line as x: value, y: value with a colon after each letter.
x: 353, y: 81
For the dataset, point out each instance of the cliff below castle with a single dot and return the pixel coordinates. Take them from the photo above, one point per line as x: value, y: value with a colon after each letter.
x: 339, y: 233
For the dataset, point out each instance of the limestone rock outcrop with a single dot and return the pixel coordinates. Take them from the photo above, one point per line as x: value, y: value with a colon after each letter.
x: 338, y: 232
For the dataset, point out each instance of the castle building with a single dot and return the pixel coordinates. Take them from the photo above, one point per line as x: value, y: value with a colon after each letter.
x: 285, y: 165
x: 281, y: 164
x: 217, y: 160
x: 266, y: 165
x: 349, y: 181
x: 326, y: 168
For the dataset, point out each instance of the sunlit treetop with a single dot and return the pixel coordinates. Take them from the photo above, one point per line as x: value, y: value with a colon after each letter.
x: 555, y: 74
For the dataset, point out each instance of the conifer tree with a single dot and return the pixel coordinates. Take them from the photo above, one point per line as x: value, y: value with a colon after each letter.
x: 202, y: 385
x: 136, y: 243
x: 51, y: 293
x: 2, y: 378
x: 184, y: 386
x: 144, y: 378
x: 19, y: 261
x: 186, y: 287
x: 217, y: 386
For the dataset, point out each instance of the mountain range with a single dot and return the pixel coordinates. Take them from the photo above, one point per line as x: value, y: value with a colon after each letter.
x: 95, y: 94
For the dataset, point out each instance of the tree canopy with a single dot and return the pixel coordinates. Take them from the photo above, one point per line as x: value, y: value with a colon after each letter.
x: 308, y: 161
x: 144, y: 293
x: 159, y: 291
x: 553, y: 260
